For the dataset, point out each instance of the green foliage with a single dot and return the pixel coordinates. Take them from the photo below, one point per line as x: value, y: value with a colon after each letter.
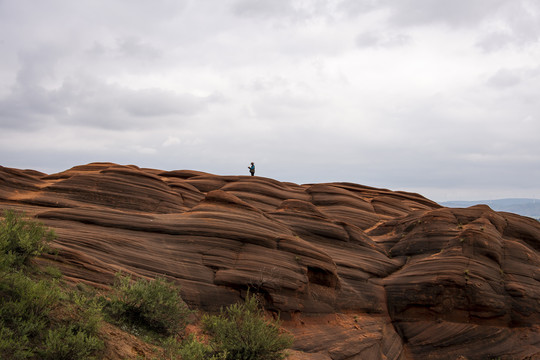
x: 36, y: 321
x: 13, y: 346
x: 24, y: 298
x: 148, y: 305
x: 68, y: 342
x: 33, y: 324
x: 192, y: 349
x: 20, y: 239
x: 89, y: 311
x: 241, y: 332
x: 53, y: 272
x: 171, y: 348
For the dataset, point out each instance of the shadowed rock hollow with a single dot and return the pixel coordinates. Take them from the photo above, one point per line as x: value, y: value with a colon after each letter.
x: 355, y: 272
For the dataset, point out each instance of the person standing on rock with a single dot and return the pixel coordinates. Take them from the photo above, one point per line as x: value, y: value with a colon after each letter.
x: 252, y: 169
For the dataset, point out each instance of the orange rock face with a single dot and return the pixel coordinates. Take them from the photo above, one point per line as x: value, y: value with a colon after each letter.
x: 355, y: 272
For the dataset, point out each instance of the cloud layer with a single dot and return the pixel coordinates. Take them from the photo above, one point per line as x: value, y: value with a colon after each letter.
x: 438, y: 98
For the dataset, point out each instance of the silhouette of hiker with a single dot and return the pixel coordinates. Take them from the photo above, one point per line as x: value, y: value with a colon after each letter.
x: 252, y: 169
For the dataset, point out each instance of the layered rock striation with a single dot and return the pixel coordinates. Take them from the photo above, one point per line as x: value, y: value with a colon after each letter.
x: 354, y: 271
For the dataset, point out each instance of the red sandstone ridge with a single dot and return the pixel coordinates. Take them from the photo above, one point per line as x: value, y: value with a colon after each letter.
x: 356, y: 272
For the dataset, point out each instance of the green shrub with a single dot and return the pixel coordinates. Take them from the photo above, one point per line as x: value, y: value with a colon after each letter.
x: 70, y: 342
x: 26, y: 304
x: 152, y: 305
x: 193, y: 349
x: 36, y: 321
x: 241, y: 332
x: 88, y: 310
x: 12, y: 345
x: 53, y: 272
x: 21, y: 239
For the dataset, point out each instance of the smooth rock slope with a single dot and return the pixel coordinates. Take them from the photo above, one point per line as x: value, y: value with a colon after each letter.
x: 355, y: 272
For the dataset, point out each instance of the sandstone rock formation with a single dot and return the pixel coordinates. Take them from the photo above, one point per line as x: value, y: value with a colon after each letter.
x: 355, y: 272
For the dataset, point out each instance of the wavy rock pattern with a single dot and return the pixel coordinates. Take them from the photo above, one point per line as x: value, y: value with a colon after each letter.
x: 356, y: 272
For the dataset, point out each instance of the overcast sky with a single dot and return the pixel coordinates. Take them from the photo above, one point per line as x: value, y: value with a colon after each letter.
x: 436, y: 97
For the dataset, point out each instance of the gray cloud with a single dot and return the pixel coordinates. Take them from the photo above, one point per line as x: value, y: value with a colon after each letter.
x: 507, y: 22
x: 518, y: 25
x: 264, y: 8
x: 156, y: 102
x: 134, y: 47
x: 354, y: 8
x: 91, y: 102
x: 286, y: 10
x: 378, y: 39
x: 426, y: 12
x: 453, y: 13
x: 494, y: 41
x: 504, y: 78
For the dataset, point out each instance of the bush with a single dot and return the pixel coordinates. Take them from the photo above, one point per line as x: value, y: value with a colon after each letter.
x: 70, y: 342
x: 192, y: 349
x: 35, y: 321
x: 36, y: 324
x: 154, y: 305
x: 13, y: 346
x: 24, y: 298
x: 241, y: 332
x: 21, y: 239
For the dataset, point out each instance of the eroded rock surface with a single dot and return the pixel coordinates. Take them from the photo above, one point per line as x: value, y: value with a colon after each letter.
x: 355, y: 272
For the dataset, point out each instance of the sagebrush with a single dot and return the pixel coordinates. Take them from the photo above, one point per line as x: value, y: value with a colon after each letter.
x: 240, y: 332
x: 38, y: 320
x: 148, y: 305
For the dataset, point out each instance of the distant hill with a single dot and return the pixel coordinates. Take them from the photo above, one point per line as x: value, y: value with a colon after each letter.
x: 525, y: 207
